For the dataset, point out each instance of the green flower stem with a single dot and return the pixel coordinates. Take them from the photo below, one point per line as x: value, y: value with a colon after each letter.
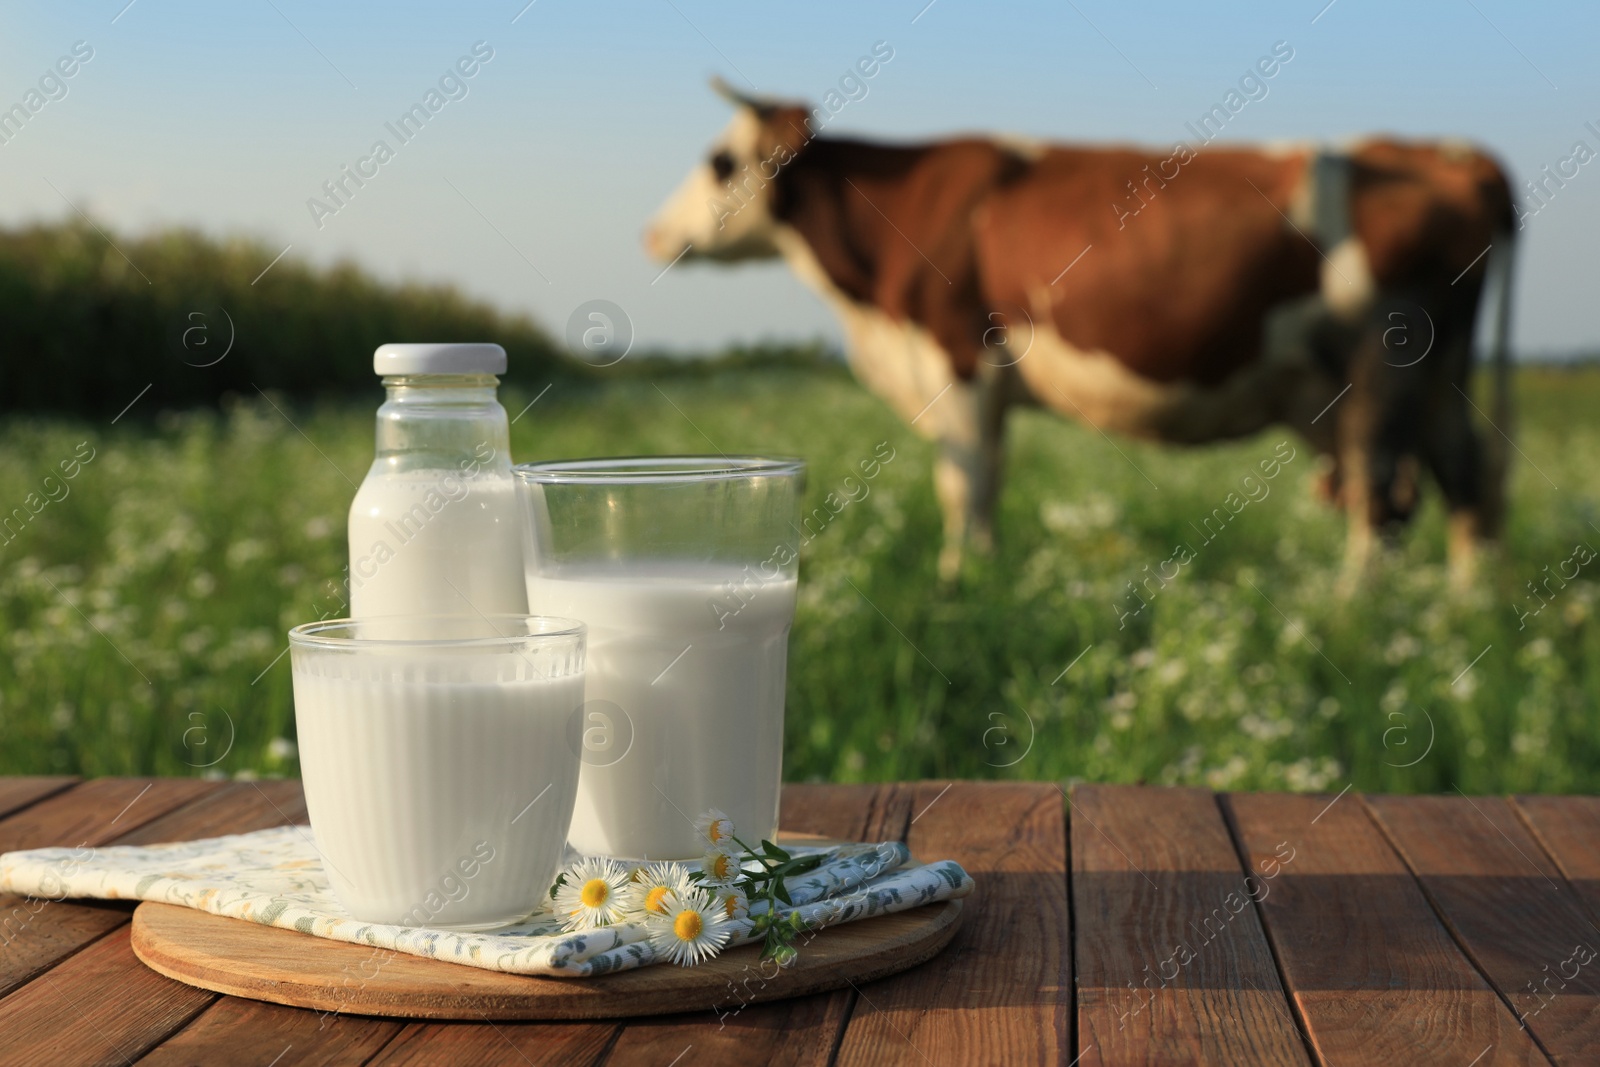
x: 777, y: 935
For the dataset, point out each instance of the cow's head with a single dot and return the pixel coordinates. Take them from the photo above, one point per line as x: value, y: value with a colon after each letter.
x: 725, y: 208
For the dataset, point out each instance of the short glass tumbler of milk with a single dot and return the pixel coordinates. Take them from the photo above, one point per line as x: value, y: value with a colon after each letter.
x: 684, y: 570
x: 434, y: 753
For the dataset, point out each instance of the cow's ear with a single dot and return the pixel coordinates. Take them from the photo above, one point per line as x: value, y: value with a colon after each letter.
x: 784, y: 127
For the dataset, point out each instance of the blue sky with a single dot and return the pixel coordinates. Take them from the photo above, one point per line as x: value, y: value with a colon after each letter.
x: 588, y: 114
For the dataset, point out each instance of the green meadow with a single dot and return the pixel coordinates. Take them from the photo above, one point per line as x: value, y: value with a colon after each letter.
x: 143, y: 607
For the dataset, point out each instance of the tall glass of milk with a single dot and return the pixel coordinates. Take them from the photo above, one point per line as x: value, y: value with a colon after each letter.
x: 684, y: 570
x: 435, y: 528
x: 437, y: 770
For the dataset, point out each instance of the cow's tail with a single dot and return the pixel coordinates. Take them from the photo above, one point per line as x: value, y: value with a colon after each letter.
x: 1502, y: 264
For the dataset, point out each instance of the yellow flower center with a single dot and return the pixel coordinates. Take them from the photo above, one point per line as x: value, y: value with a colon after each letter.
x: 687, y: 925
x: 652, y: 899
x: 715, y: 833
x: 719, y: 869
x: 730, y: 904
x: 595, y: 892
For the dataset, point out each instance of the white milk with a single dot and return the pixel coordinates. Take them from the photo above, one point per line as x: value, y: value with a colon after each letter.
x: 436, y: 803
x: 423, y: 540
x: 700, y: 723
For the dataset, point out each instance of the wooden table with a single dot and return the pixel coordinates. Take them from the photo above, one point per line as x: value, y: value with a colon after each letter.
x: 1189, y: 927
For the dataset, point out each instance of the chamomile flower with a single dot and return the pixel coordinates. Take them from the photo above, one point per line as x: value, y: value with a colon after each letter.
x: 733, y: 902
x: 651, y: 884
x: 720, y: 866
x: 715, y: 829
x: 691, y: 929
x: 591, y: 894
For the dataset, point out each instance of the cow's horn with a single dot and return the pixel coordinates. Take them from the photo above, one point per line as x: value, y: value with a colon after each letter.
x: 732, y: 95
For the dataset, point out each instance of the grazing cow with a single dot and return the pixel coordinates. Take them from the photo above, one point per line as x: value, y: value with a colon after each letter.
x: 1185, y: 296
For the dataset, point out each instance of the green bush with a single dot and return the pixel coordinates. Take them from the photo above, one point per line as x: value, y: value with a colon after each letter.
x: 85, y: 328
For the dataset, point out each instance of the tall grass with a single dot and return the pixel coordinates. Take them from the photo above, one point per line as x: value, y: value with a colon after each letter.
x: 144, y: 612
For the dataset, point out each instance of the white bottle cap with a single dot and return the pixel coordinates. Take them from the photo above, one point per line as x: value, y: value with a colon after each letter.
x: 472, y: 358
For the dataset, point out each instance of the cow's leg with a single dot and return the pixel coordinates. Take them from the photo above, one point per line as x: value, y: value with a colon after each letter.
x: 966, y: 474
x: 1455, y: 454
x: 1315, y: 346
x: 1355, y: 484
x: 955, y: 473
x: 992, y: 400
x: 1353, y: 460
x: 1314, y: 411
x: 912, y: 372
x: 1379, y: 439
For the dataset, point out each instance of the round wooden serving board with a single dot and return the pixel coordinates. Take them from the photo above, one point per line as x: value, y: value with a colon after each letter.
x: 245, y: 959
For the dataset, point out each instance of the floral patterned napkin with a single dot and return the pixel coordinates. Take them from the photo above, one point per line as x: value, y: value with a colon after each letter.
x: 274, y: 877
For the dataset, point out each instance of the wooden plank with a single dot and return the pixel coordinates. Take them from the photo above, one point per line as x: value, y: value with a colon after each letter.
x: 860, y: 812
x: 1375, y: 975
x: 98, y: 811
x: 801, y: 1031
x: 237, y: 807
x: 37, y: 933
x: 491, y: 1044
x: 1569, y: 830
x: 40, y: 933
x: 17, y: 793
x: 1000, y: 993
x: 1509, y: 908
x: 1172, y: 964
x: 100, y: 1006
x: 249, y: 1031
x: 234, y: 808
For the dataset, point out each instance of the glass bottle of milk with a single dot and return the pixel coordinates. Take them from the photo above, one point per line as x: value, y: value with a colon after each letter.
x: 435, y: 529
